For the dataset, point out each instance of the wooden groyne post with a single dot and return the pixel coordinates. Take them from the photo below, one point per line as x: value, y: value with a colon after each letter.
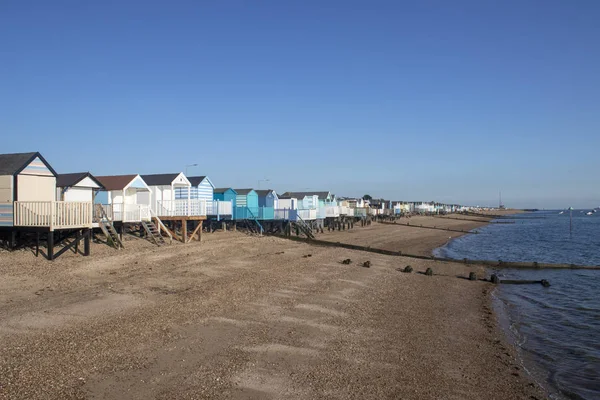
x: 489, y: 263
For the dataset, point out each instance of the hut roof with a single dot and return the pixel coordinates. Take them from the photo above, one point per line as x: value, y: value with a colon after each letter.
x: 243, y: 191
x: 223, y: 190
x: 263, y: 193
x: 12, y: 164
x: 301, y: 195
x: 115, y: 182
x: 196, y: 180
x: 66, y: 180
x: 159, y: 179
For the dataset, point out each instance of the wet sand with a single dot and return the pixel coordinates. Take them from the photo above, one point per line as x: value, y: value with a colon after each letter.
x: 244, y: 317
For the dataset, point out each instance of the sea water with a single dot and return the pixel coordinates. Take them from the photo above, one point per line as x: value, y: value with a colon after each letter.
x: 557, y: 329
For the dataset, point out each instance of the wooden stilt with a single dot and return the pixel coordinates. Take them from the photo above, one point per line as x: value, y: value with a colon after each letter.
x: 77, y: 238
x: 50, y: 245
x: 184, y: 231
x: 87, y: 238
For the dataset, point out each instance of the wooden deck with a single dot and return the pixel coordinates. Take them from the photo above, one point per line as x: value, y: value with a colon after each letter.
x: 182, y: 218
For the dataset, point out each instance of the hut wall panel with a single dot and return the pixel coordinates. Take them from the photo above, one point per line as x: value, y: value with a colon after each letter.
x: 78, y: 194
x: 6, y: 189
x: 36, y: 188
x: 36, y: 167
x: 87, y: 183
x: 252, y: 200
x: 115, y: 197
x: 241, y: 200
x: 6, y: 214
x: 205, y: 190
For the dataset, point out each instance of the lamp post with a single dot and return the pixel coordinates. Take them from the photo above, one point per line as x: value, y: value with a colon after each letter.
x: 189, y: 165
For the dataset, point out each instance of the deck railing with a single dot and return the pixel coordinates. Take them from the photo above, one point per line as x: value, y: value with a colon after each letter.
x: 285, y: 214
x: 346, y: 211
x: 53, y: 214
x: 182, y: 208
x: 240, y: 213
x: 360, y: 212
x: 329, y: 212
x: 266, y: 213
x: 101, y: 211
x: 308, y: 215
x: 123, y: 212
x: 217, y: 207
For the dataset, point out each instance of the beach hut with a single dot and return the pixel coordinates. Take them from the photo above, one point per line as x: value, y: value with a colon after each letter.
x: 28, y: 202
x: 125, y: 198
x: 200, y: 188
x: 223, y: 205
x: 267, y: 198
x: 267, y: 203
x: 225, y: 194
x: 203, y: 189
x: 79, y: 186
x: 162, y: 196
x: 246, y: 203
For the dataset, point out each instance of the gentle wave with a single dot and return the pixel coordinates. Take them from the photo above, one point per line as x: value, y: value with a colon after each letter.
x: 558, y: 328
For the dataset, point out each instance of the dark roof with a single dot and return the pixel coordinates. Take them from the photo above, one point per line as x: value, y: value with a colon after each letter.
x: 243, y: 191
x: 263, y: 193
x: 115, y: 182
x: 12, y: 164
x: 196, y: 180
x: 66, y: 180
x: 223, y: 190
x: 159, y: 179
x: 301, y: 195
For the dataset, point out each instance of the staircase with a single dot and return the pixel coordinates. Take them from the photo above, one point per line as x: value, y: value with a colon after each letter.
x: 112, y: 237
x: 153, y: 233
x: 251, y: 221
x: 304, y: 228
x: 108, y: 229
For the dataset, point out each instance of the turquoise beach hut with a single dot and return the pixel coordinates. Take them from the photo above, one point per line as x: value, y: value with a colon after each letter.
x: 246, y: 204
x: 225, y: 194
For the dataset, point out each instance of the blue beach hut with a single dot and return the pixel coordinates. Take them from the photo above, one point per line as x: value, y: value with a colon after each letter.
x: 246, y: 204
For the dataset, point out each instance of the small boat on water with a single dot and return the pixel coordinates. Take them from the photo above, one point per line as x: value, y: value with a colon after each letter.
x: 589, y: 213
x: 562, y: 212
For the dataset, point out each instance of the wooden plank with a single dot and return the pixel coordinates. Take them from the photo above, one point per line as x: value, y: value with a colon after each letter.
x: 176, y: 236
x: 184, y: 230
x: 195, y: 232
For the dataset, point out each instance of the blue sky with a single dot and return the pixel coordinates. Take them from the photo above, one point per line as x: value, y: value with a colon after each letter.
x: 414, y: 100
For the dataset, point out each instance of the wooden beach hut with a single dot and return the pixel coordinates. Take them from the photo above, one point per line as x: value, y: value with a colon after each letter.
x: 246, y: 203
x: 203, y: 189
x: 28, y: 204
x: 179, y: 215
x: 225, y: 194
x: 79, y: 186
x: 267, y: 198
x: 162, y: 195
x: 125, y: 198
x: 267, y: 203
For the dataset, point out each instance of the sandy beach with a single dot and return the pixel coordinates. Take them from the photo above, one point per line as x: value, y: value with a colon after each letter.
x: 407, y: 239
x: 247, y: 317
